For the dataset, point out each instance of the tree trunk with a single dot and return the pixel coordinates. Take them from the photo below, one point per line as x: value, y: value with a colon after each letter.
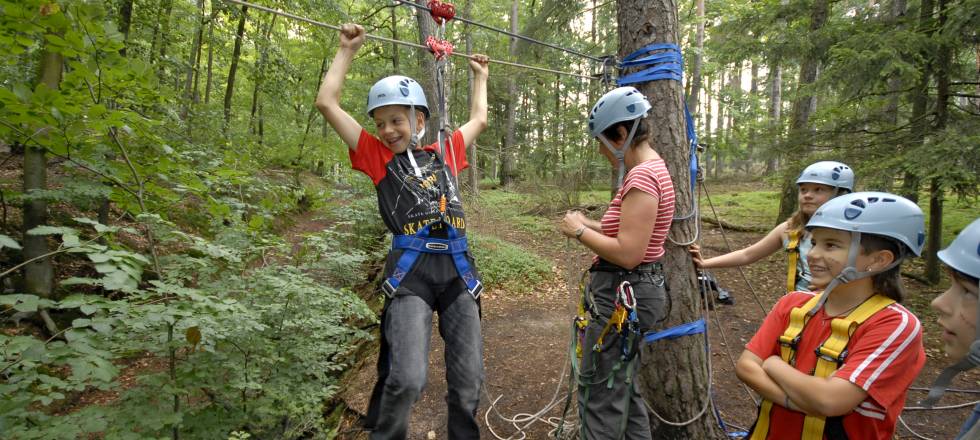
x: 753, y: 91
x: 125, y: 21
x: 193, y: 62
x: 260, y: 76
x: 394, y: 35
x: 506, y: 154
x: 694, y: 95
x: 803, y: 107
x: 209, y: 83
x: 235, y: 55
x: 919, y: 124
x: 472, y: 158
x: 168, y: 7
x: 39, y: 274
x: 427, y: 78
x: 944, y: 56
x: 672, y: 375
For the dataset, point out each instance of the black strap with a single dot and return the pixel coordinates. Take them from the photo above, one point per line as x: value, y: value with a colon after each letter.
x: 834, y: 428
x: 605, y: 266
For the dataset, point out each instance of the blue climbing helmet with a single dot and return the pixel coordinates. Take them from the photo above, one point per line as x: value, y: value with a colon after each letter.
x: 876, y: 213
x: 397, y: 90
x: 963, y: 254
x: 830, y: 173
x: 620, y: 104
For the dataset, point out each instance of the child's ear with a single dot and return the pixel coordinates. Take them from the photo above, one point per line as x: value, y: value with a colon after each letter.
x: 882, y: 259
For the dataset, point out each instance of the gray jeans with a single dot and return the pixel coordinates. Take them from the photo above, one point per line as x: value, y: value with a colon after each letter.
x: 404, y: 358
x: 609, y: 406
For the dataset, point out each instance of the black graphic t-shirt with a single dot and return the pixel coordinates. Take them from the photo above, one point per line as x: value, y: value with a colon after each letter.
x: 406, y: 201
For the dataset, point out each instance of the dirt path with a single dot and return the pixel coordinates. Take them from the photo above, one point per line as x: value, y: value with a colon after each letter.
x: 525, y: 345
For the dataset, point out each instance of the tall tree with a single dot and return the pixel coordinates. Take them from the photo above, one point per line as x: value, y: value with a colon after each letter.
x: 672, y: 375
x: 944, y: 55
x: 694, y: 94
x: 233, y: 69
x: 427, y: 78
x: 507, y: 171
x: 804, y: 104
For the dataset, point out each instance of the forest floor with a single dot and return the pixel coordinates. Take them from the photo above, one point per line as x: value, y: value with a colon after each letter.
x: 526, y: 344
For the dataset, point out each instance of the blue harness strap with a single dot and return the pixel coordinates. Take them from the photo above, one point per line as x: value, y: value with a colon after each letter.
x: 414, y: 245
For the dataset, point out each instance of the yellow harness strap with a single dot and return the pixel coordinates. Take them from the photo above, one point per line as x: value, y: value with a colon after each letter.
x: 830, y: 354
x: 618, y: 318
x: 793, y: 251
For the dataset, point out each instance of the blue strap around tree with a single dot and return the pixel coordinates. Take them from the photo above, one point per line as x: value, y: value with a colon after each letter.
x: 686, y: 329
x: 665, y: 61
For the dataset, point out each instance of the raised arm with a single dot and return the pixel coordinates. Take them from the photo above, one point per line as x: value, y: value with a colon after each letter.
x: 328, y: 98
x: 772, y: 242
x: 478, y: 100
x: 639, y: 215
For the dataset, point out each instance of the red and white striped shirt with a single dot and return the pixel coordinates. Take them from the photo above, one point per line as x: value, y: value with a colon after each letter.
x: 884, y: 355
x: 652, y: 178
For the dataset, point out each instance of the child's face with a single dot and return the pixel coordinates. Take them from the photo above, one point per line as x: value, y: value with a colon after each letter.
x: 828, y: 256
x: 393, y: 127
x: 957, y: 309
x: 812, y: 195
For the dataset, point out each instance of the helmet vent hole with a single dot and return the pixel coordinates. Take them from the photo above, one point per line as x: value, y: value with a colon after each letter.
x: 858, y: 203
x: 631, y: 108
x: 851, y: 213
x: 872, y: 199
x: 888, y: 200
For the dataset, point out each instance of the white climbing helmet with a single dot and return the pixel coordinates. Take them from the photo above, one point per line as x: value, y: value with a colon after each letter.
x: 620, y: 104
x: 830, y: 173
x: 397, y: 90
x: 963, y: 254
x: 876, y: 213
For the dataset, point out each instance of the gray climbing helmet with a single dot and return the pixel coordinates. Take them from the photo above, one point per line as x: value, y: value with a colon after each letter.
x: 397, y: 90
x: 876, y: 213
x: 963, y: 254
x: 830, y: 173
x: 620, y: 104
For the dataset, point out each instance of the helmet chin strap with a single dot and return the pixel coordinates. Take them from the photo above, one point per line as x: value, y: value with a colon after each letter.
x: 972, y: 360
x: 414, y: 141
x: 850, y: 272
x: 620, y: 154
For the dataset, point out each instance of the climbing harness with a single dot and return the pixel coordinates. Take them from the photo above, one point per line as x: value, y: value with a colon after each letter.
x: 793, y: 254
x: 830, y: 356
x: 415, y: 245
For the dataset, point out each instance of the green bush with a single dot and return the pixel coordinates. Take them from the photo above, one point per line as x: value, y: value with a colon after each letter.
x: 505, y: 266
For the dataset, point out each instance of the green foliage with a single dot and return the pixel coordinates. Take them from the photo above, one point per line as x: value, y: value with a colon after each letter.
x: 506, y: 266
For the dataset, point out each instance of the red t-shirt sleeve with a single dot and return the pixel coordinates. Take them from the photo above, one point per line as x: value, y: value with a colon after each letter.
x: 457, y: 154
x: 370, y: 157
x: 765, y: 342
x: 885, y: 355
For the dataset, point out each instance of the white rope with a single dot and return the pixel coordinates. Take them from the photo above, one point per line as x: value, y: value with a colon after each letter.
x: 907, y: 428
x: 940, y: 408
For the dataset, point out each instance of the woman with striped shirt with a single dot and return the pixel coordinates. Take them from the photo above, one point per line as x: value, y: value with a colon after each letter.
x: 627, y: 294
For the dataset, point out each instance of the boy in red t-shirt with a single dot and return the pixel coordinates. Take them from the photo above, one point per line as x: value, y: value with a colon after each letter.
x: 855, y: 387
x: 429, y: 268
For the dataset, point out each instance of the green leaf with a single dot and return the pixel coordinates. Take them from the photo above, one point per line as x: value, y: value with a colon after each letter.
x: 27, y: 303
x: 6, y: 241
x: 88, y: 309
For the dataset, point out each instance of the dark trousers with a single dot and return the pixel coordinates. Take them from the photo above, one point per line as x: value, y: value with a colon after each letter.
x: 609, y: 406
x: 404, y: 357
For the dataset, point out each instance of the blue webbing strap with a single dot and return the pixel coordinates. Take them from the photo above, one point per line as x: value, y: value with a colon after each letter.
x: 666, y: 63
x: 413, y: 245
x: 686, y: 329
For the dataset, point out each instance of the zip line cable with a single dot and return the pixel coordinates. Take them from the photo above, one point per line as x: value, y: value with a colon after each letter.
x: 405, y: 43
x: 505, y: 32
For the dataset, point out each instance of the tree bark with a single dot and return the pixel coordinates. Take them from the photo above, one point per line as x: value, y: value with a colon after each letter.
x: 694, y: 95
x: 233, y: 69
x: 803, y: 107
x: 919, y: 124
x: 210, y: 82
x: 125, y: 21
x: 944, y: 56
x: 507, y: 151
x: 672, y: 374
x: 194, y: 61
x: 260, y: 77
x: 472, y: 158
x: 39, y: 274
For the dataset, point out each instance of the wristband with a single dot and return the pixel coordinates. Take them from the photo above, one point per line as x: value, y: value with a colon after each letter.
x: 579, y: 232
x: 787, y: 403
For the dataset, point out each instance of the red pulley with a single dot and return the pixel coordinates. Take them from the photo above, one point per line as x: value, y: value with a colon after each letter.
x: 440, y: 48
x: 441, y: 11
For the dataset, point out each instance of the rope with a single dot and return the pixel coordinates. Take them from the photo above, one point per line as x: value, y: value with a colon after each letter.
x: 502, y: 31
x: 404, y: 43
x: 755, y: 295
x: 907, y: 428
